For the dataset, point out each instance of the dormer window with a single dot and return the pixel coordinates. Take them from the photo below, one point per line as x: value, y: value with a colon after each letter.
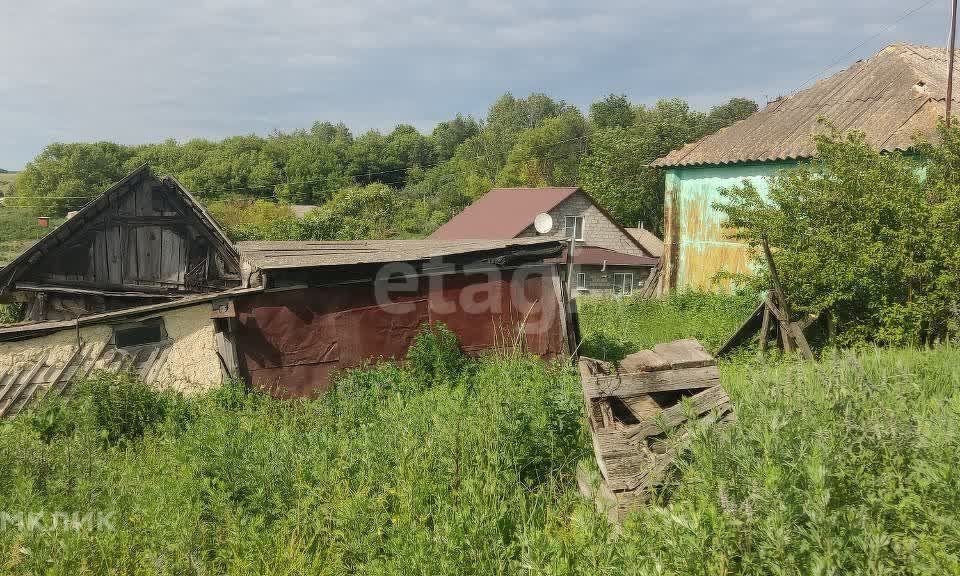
x: 574, y: 227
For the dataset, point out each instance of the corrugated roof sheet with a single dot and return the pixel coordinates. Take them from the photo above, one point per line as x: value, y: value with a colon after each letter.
x: 272, y: 255
x: 890, y: 97
x: 649, y: 241
x: 502, y: 213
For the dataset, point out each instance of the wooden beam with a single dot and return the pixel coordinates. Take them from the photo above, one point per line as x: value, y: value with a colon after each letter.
x: 636, y: 383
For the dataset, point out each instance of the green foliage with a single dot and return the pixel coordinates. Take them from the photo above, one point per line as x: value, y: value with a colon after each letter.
x: 845, y: 465
x: 10, y: 313
x: 66, y: 176
x: 531, y: 141
x: 363, y: 212
x: 865, y: 236
x: 547, y: 155
x: 246, y: 219
x: 612, y: 328
x: 435, y: 355
x: 19, y: 230
x: 122, y: 407
x: 614, y: 111
x: 616, y: 172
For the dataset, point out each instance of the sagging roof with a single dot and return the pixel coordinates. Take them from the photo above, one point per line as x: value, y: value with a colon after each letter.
x: 502, y: 213
x: 650, y: 242
x: 274, y: 255
x: 895, y: 94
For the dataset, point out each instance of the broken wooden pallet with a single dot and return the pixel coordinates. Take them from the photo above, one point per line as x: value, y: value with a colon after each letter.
x: 634, y: 407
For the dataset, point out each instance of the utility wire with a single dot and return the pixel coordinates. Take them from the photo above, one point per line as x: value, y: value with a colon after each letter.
x: 846, y: 55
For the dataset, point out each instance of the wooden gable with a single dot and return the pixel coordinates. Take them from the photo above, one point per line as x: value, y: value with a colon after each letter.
x: 143, y: 235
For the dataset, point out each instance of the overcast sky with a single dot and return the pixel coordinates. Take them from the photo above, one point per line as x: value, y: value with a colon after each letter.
x: 133, y: 72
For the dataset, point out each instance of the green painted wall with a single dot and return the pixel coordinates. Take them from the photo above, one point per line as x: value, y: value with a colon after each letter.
x: 695, y: 232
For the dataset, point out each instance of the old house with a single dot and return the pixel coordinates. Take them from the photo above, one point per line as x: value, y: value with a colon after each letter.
x: 607, y: 258
x: 144, y: 240
x: 891, y: 97
x: 174, y: 300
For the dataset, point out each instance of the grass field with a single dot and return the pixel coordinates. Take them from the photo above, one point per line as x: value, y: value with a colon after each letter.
x: 848, y: 465
x: 19, y: 230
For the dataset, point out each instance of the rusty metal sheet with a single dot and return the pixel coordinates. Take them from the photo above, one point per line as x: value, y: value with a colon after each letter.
x: 291, y: 342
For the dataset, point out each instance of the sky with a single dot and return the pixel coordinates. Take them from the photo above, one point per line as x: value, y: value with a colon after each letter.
x: 132, y: 72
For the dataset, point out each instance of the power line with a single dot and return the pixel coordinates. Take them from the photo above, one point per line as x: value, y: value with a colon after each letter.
x: 889, y: 27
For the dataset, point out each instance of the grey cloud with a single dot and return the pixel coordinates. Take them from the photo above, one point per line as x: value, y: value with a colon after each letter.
x: 135, y: 72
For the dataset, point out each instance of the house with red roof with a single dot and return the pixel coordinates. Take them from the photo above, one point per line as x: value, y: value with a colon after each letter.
x: 608, y: 259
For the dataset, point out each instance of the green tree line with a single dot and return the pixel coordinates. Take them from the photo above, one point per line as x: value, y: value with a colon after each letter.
x: 398, y: 184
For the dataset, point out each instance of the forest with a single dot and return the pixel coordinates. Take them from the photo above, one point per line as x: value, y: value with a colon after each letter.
x: 401, y: 184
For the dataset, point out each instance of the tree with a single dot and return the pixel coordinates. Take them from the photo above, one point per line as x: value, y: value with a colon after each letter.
x: 447, y: 136
x: 726, y: 114
x: 613, y: 111
x: 66, y: 176
x: 548, y: 155
x: 359, y: 212
x: 863, y: 236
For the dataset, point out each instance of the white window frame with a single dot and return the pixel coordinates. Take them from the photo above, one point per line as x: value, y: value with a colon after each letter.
x: 581, y: 280
x: 623, y: 283
x: 566, y: 227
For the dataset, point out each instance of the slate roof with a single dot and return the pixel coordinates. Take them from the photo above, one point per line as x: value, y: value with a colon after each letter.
x: 502, y: 213
x: 890, y: 96
x: 273, y: 255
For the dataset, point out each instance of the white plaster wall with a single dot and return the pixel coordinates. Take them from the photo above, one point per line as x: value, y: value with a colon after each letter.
x: 191, y: 363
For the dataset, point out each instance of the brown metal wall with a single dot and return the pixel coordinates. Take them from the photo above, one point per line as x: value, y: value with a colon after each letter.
x: 291, y: 342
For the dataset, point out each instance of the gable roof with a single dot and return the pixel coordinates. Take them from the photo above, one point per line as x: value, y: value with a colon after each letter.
x: 502, y: 213
x: 649, y: 240
x: 111, y: 196
x: 506, y: 212
x: 890, y: 96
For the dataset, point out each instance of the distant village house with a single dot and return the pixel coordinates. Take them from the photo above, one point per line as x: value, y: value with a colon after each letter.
x: 608, y: 258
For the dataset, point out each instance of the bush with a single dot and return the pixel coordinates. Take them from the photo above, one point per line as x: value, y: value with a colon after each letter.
x: 435, y: 355
x: 122, y: 407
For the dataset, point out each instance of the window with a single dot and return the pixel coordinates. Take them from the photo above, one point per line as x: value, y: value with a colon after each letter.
x: 581, y: 281
x: 139, y: 333
x: 574, y: 227
x: 623, y: 283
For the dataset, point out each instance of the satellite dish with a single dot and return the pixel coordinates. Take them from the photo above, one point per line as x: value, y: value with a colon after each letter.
x: 543, y: 223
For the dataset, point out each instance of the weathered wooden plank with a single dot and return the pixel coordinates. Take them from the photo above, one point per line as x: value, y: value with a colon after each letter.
x: 764, y: 329
x: 684, y: 354
x: 745, y: 331
x: 675, y: 415
x: 636, y: 383
x: 148, y: 252
x: 98, y: 257
x: 131, y: 266
x: 644, y: 361
x: 171, y: 254
x: 144, y: 194
x: 114, y: 242
x: 11, y: 398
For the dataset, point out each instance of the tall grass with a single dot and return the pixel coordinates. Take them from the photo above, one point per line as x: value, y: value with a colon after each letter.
x: 849, y: 465
x: 612, y: 328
